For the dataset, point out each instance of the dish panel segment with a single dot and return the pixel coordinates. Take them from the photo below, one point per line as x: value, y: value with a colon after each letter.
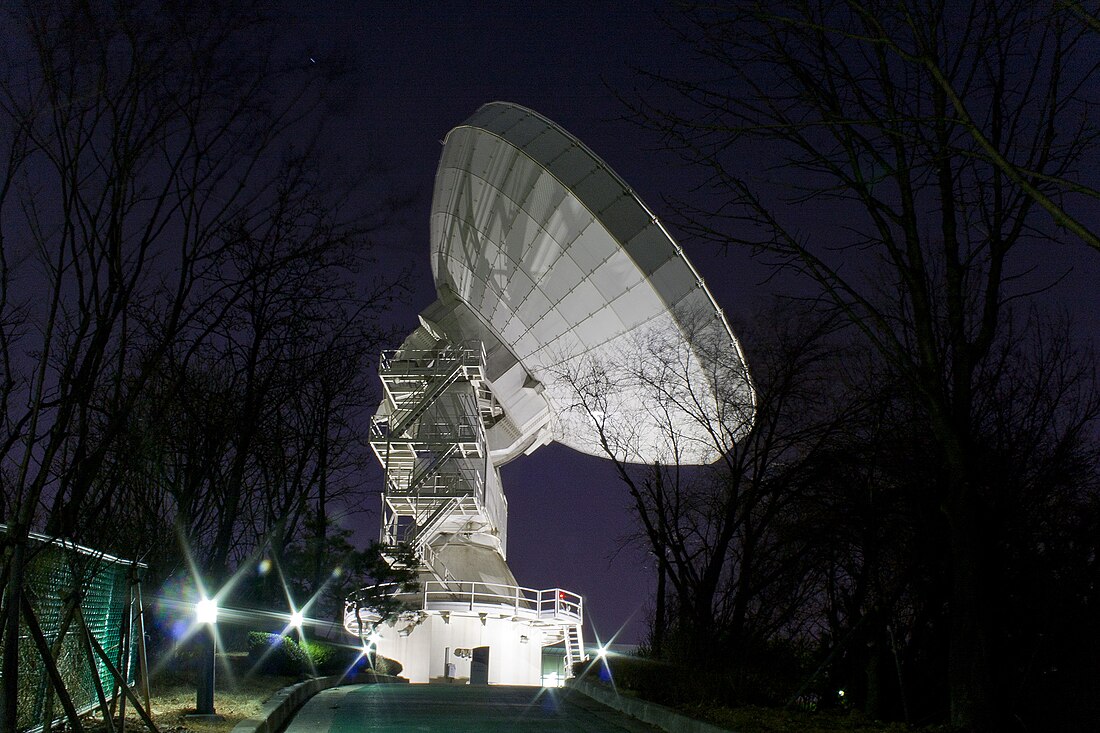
x: 557, y: 256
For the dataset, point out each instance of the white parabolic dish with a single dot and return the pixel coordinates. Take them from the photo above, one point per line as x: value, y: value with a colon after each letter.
x: 562, y: 262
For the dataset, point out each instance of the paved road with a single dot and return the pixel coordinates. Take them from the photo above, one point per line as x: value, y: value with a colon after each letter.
x: 458, y: 709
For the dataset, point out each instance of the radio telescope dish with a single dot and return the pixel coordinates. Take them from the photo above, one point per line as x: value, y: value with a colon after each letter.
x: 555, y: 284
x: 559, y: 260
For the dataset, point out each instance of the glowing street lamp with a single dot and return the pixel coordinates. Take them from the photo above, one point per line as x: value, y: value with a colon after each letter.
x: 603, y: 669
x: 374, y: 638
x: 206, y: 614
x: 370, y: 647
x: 206, y: 611
x: 297, y: 619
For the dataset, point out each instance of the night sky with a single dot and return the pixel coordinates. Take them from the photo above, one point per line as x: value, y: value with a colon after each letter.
x: 421, y: 69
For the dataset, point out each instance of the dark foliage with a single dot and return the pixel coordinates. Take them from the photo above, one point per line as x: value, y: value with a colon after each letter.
x: 278, y: 655
x: 770, y: 678
x: 282, y: 655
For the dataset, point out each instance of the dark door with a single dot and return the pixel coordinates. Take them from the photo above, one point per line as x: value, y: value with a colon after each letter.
x: 479, y: 666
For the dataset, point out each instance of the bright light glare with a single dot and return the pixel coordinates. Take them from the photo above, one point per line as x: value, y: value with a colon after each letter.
x: 601, y: 652
x: 374, y: 638
x: 840, y: 693
x: 297, y: 619
x: 206, y: 611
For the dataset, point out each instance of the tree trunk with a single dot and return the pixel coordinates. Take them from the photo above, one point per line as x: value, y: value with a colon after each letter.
x: 9, y: 666
x: 659, y: 613
x: 969, y: 672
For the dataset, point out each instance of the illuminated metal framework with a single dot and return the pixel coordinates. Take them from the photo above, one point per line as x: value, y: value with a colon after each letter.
x: 430, y: 440
x: 429, y: 435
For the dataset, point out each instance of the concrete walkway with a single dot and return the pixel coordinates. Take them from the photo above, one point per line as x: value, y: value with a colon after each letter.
x: 458, y: 709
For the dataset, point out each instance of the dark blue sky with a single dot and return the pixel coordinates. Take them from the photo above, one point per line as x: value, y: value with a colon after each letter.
x: 422, y: 68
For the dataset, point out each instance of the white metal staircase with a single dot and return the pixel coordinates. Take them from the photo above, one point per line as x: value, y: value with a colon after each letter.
x: 574, y: 647
x: 430, y: 440
x: 408, y: 413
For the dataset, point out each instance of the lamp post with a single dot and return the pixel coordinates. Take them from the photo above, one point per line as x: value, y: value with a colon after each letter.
x: 372, y: 649
x: 297, y: 620
x: 206, y: 613
x: 604, y: 670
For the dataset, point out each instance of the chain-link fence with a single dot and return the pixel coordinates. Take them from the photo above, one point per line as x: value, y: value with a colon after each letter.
x: 71, y: 588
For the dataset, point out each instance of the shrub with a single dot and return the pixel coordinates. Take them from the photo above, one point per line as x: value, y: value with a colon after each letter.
x: 650, y: 679
x: 275, y: 654
x: 329, y: 659
x: 385, y: 665
x: 768, y: 677
x: 282, y: 655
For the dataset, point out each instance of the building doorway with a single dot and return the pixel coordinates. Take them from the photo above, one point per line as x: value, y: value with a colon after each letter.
x: 479, y: 666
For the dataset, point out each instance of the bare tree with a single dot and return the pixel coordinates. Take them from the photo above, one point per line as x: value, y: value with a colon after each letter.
x: 941, y: 133
x: 241, y: 437
x: 734, y: 578
x: 143, y: 145
x: 1066, y: 193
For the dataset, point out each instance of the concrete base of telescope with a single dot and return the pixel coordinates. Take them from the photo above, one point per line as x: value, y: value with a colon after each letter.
x: 482, y: 629
x: 462, y: 649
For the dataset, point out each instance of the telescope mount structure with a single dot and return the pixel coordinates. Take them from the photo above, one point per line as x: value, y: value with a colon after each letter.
x: 545, y: 263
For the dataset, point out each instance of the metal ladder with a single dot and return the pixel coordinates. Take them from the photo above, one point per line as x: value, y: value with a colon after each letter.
x: 574, y: 648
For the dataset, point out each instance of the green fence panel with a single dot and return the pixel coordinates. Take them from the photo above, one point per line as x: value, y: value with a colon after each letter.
x: 58, y: 574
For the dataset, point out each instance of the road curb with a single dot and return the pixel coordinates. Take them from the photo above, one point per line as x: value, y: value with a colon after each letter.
x: 663, y: 717
x: 282, y: 706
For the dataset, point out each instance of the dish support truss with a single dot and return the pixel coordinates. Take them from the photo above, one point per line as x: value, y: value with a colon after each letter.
x: 429, y: 436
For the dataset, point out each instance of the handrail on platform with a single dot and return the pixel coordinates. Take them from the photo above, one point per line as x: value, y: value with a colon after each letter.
x: 551, y: 605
